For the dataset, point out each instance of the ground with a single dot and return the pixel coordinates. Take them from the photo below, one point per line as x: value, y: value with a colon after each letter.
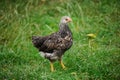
x: 96, y: 58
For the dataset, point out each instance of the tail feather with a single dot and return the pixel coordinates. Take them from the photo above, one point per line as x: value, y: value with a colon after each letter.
x: 37, y: 41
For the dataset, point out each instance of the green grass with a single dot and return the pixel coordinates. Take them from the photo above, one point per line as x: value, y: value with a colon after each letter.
x: 88, y: 59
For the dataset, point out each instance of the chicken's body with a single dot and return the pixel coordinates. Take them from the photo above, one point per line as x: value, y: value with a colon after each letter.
x: 54, y: 46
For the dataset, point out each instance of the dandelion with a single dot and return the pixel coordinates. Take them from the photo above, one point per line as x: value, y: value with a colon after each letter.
x: 91, y: 38
x: 91, y: 35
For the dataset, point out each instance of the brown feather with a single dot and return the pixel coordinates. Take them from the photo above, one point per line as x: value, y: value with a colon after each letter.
x: 56, y: 43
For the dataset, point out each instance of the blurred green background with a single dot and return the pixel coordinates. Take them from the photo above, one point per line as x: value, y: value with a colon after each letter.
x: 88, y: 59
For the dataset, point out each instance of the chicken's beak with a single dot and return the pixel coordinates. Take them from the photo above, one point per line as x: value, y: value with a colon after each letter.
x: 69, y: 20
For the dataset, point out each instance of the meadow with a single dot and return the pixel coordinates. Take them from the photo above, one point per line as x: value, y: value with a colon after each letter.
x: 95, y: 58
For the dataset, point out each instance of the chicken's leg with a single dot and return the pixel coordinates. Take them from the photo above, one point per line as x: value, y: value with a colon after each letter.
x: 63, y: 66
x: 52, y: 67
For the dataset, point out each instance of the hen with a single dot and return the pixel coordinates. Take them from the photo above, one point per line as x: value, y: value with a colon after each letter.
x: 53, y: 46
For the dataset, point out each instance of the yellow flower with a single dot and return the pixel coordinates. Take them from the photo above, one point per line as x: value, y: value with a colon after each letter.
x: 91, y: 35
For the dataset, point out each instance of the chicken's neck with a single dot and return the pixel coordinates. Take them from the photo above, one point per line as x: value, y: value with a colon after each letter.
x: 64, y: 27
x: 64, y: 30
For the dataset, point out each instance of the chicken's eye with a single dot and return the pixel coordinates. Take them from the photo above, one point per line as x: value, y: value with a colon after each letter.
x: 66, y: 19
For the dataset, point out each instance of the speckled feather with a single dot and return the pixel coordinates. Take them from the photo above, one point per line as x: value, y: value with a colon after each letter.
x: 55, y: 44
